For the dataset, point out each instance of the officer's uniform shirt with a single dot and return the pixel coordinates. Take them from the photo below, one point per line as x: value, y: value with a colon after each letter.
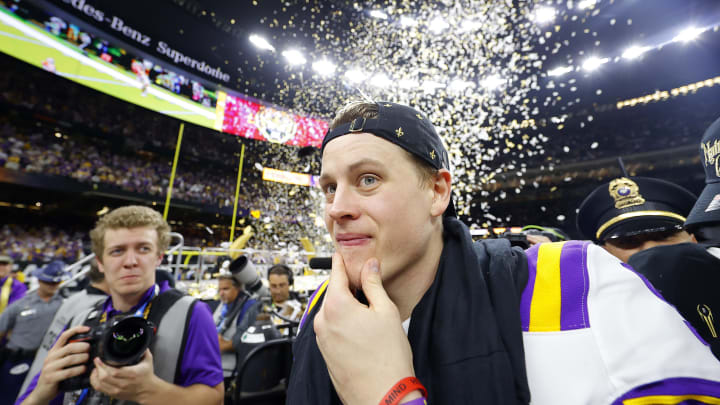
x: 28, y: 319
x: 17, y: 290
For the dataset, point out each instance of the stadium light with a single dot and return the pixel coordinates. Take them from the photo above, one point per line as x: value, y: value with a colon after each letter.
x: 592, y: 63
x: 406, y: 21
x: 634, y: 52
x: 559, y: 71
x: 380, y: 80
x: 429, y: 86
x: 438, y: 25
x: 544, y: 15
x: 583, y: 4
x: 469, y: 25
x: 688, y: 34
x: 492, y: 82
x: 355, y: 75
x: 408, y: 84
x: 294, y: 57
x: 379, y: 14
x: 458, y: 85
x: 324, y: 67
x: 261, y: 43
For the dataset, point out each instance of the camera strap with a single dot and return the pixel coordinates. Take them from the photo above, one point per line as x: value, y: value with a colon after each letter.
x: 227, y: 321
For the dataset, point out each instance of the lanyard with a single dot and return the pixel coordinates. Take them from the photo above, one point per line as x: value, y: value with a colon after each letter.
x: 143, y: 310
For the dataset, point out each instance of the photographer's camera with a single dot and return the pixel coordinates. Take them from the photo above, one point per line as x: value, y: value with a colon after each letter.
x: 120, y: 342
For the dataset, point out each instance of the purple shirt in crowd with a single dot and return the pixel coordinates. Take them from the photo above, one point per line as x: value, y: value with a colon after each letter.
x: 201, y: 362
x: 17, y: 290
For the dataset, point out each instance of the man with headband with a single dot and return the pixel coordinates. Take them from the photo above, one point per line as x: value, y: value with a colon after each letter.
x: 414, y: 312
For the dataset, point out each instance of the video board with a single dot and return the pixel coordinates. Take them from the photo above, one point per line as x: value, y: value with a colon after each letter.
x: 61, y: 45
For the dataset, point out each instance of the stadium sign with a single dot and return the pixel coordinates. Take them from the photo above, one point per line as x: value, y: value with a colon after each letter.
x: 117, y: 24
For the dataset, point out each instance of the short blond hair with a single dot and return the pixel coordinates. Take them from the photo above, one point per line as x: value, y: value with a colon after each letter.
x: 368, y: 110
x: 131, y: 216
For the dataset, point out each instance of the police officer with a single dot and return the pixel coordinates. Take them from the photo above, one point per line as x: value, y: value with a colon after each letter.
x: 630, y: 214
x: 11, y: 289
x: 27, y: 319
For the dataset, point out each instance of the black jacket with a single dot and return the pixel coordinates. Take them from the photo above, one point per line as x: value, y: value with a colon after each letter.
x: 465, y: 332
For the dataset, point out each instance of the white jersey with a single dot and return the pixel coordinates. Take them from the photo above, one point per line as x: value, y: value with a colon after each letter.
x: 596, y: 332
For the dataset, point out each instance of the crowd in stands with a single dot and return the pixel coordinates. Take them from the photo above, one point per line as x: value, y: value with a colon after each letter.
x: 36, y: 150
x: 40, y: 244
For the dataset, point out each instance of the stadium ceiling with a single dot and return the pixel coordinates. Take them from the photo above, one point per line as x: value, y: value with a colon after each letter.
x: 341, y: 32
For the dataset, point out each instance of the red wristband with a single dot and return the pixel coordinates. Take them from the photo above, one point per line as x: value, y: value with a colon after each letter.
x: 402, y: 388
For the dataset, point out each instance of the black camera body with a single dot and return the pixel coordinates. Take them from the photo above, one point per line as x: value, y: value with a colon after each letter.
x: 120, y: 342
x: 520, y: 239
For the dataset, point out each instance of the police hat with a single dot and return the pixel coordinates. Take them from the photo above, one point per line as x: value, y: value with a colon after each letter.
x: 6, y: 259
x: 53, y: 272
x: 407, y: 128
x: 633, y: 206
x: 707, y: 207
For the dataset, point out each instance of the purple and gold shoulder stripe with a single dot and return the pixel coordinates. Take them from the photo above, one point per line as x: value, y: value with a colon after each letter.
x: 312, y: 302
x: 555, y: 297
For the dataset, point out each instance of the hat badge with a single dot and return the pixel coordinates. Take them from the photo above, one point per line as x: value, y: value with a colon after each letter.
x: 625, y: 192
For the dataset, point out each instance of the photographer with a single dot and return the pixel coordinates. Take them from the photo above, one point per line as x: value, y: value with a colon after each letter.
x: 233, y: 316
x: 280, y: 279
x: 129, y: 243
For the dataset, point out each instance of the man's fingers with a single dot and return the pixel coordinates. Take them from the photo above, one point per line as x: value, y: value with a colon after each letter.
x: 338, y: 277
x: 372, y: 285
x: 65, y: 373
x: 71, y: 360
x: 148, y: 358
x: 65, y: 336
x: 338, y: 284
x: 67, y: 350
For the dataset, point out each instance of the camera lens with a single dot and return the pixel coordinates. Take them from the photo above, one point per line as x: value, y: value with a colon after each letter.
x: 128, y: 339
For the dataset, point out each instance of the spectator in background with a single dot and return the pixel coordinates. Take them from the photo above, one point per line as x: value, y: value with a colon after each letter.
x: 26, y: 321
x: 235, y: 314
x: 280, y: 279
x: 11, y: 289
